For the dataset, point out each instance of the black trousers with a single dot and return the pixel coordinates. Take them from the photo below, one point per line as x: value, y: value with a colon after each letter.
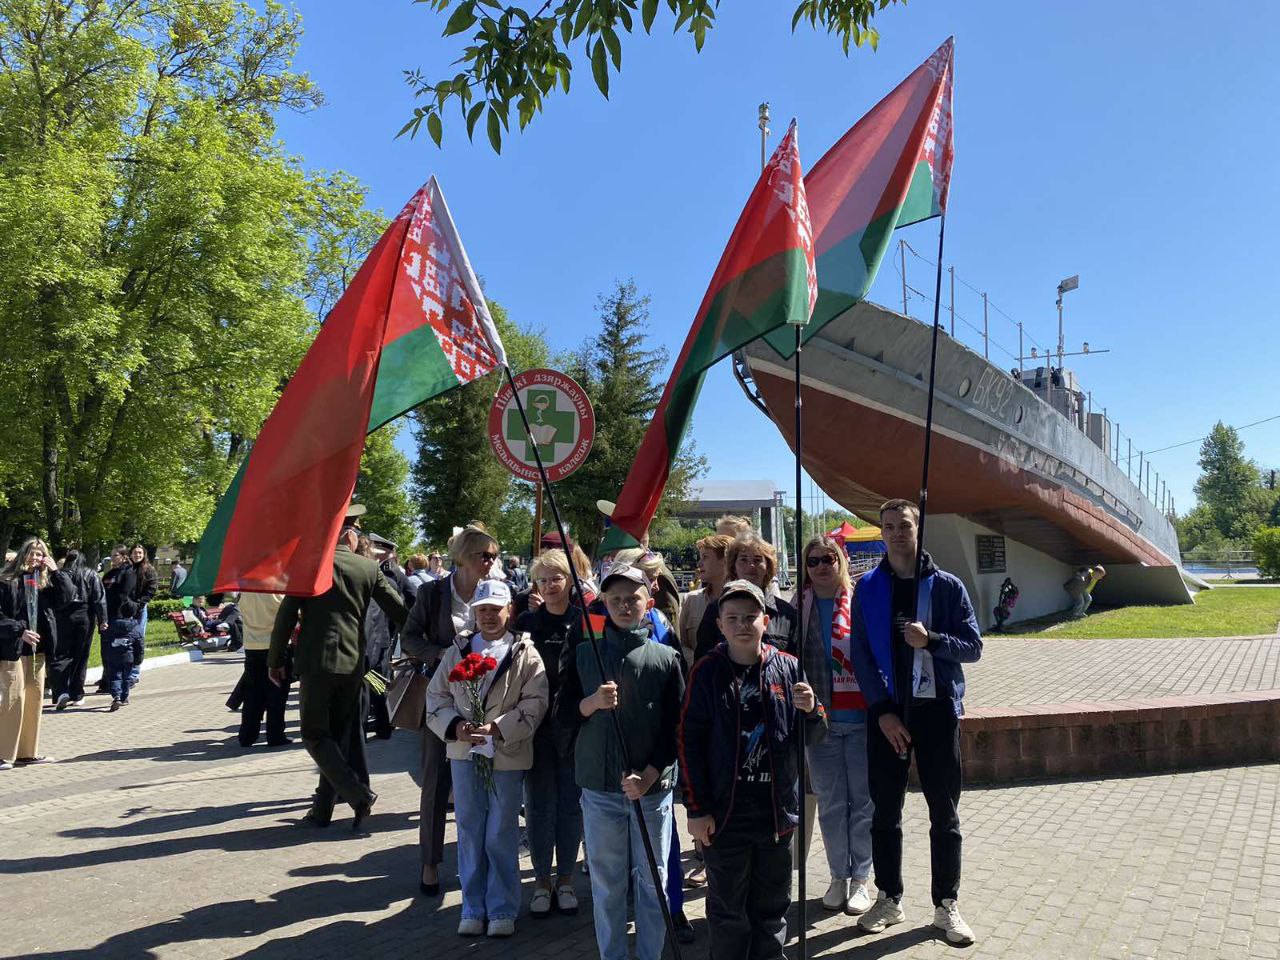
x: 67, y: 669
x: 935, y: 740
x: 748, y: 892
x: 260, y: 697
x: 333, y: 710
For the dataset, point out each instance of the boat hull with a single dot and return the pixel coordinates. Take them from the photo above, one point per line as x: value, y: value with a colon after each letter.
x: 1001, y: 457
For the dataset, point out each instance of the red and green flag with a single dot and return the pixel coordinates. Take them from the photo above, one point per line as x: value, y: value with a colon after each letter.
x: 412, y: 324
x: 892, y: 169
x: 765, y: 279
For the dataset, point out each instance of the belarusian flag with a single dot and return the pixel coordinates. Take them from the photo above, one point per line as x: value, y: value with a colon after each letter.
x: 413, y: 324
x: 892, y: 169
x: 765, y: 278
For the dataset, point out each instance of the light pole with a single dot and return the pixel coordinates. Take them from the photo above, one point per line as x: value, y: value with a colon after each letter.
x: 1071, y: 283
x: 763, y: 124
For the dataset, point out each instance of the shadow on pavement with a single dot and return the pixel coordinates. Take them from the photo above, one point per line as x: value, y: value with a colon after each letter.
x: 141, y: 821
x: 278, y: 835
x: 852, y: 943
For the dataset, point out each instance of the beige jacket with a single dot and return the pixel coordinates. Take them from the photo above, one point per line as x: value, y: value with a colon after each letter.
x: 258, y: 614
x: 516, y: 701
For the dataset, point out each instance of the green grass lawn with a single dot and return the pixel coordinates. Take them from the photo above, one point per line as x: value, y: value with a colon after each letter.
x: 162, y: 638
x: 1224, y: 612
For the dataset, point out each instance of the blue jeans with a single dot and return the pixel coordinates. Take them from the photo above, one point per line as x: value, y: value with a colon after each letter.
x: 488, y: 841
x: 116, y: 672
x: 838, y: 771
x: 615, y: 851
x: 552, y: 810
x: 139, y: 647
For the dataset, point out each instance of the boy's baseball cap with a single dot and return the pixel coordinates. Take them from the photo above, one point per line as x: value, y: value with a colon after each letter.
x: 491, y: 593
x: 743, y: 588
x: 627, y: 572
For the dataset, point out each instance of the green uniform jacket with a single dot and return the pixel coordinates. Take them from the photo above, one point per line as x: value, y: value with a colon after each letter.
x: 331, y: 641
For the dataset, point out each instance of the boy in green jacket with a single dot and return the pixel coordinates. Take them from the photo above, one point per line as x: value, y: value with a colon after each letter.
x: 644, y: 682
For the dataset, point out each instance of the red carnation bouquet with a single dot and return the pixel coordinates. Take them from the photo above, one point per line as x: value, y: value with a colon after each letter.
x: 470, y: 671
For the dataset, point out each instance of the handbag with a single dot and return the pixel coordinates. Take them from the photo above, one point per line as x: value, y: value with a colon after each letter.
x: 407, y: 694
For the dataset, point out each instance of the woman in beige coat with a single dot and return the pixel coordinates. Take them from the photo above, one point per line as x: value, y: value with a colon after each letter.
x: 515, y: 700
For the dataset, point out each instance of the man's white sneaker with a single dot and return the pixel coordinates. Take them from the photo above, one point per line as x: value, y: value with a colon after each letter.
x: 506, y: 927
x: 470, y: 927
x: 885, y: 912
x: 540, y: 903
x: 837, y: 894
x: 947, y: 919
x: 859, y: 901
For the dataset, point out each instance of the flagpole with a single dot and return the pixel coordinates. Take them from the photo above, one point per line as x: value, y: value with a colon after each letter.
x: 659, y: 890
x: 928, y: 442
x: 803, y: 943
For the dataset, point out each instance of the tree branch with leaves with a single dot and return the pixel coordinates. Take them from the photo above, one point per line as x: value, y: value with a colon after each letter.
x: 517, y: 58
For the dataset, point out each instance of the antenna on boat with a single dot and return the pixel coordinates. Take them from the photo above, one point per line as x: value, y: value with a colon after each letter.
x: 1067, y: 285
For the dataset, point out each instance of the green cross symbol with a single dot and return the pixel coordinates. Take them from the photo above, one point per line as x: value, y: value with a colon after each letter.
x: 550, y: 425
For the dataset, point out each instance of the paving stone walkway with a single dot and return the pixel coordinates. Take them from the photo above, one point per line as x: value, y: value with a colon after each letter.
x: 157, y: 836
x: 1020, y: 672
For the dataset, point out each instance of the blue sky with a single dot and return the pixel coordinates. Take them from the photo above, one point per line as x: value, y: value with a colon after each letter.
x: 1133, y: 145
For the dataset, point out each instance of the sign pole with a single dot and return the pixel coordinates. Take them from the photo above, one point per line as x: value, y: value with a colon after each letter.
x: 537, y: 519
x: 590, y: 632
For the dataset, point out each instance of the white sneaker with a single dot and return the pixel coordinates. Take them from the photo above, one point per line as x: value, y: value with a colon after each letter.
x: 947, y: 919
x: 540, y: 903
x: 5, y: 765
x: 505, y: 927
x: 468, y: 927
x: 837, y: 894
x: 885, y: 912
x: 566, y: 900
x: 859, y: 901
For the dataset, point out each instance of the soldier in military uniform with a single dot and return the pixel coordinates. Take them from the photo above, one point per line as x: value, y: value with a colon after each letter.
x: 330, y: 664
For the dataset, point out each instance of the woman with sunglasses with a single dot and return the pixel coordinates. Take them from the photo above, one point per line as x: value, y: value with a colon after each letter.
x: 751, y: 557
x: 838, y: 764
x: 442, y: 610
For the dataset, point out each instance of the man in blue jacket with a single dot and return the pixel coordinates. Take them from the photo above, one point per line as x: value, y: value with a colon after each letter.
x: 908, y: 666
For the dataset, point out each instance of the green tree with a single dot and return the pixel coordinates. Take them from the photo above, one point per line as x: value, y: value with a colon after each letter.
x: 1266, y: 551
x: 456, y: 478
x: 624, y: 380
x: 1229, y: 484
x: 382, y: 486
x: 162, y: 258
x: 517, y: 57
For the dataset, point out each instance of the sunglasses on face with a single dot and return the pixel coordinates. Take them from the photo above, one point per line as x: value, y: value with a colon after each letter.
x: 826, y: 560
x: 486, y: 555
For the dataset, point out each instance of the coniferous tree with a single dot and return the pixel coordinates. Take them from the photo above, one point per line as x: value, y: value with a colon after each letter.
x: 624, y: 379
x: 456, y: 478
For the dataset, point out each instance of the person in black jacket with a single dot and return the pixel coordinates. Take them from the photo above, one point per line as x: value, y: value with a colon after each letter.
x: 135, y: 580
x: 75, y: 631
x: 552, y: 800
x: 738, y: 736
x: 32, y: 590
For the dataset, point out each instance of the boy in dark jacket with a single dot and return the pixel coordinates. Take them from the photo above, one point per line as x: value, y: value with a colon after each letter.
x: 738, y: 746
x: 123, y: 633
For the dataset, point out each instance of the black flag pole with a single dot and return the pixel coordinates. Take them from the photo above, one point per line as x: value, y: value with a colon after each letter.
x: 595, y: 649
x: 928, y: 441
x: 802, y: 853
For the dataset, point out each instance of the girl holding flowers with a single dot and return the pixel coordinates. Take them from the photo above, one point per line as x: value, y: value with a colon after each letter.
x: 485, y: 701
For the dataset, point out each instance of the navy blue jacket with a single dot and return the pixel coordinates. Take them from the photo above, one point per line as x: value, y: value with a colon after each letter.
x: 953, y: 636
x: 709, y: 735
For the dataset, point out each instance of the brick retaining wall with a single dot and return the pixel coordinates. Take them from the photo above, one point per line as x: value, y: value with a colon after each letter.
x: 1002, y: 744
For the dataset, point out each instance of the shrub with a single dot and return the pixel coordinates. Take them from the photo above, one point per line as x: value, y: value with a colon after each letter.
x: 1266, y: 551
x: 162, y: 608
